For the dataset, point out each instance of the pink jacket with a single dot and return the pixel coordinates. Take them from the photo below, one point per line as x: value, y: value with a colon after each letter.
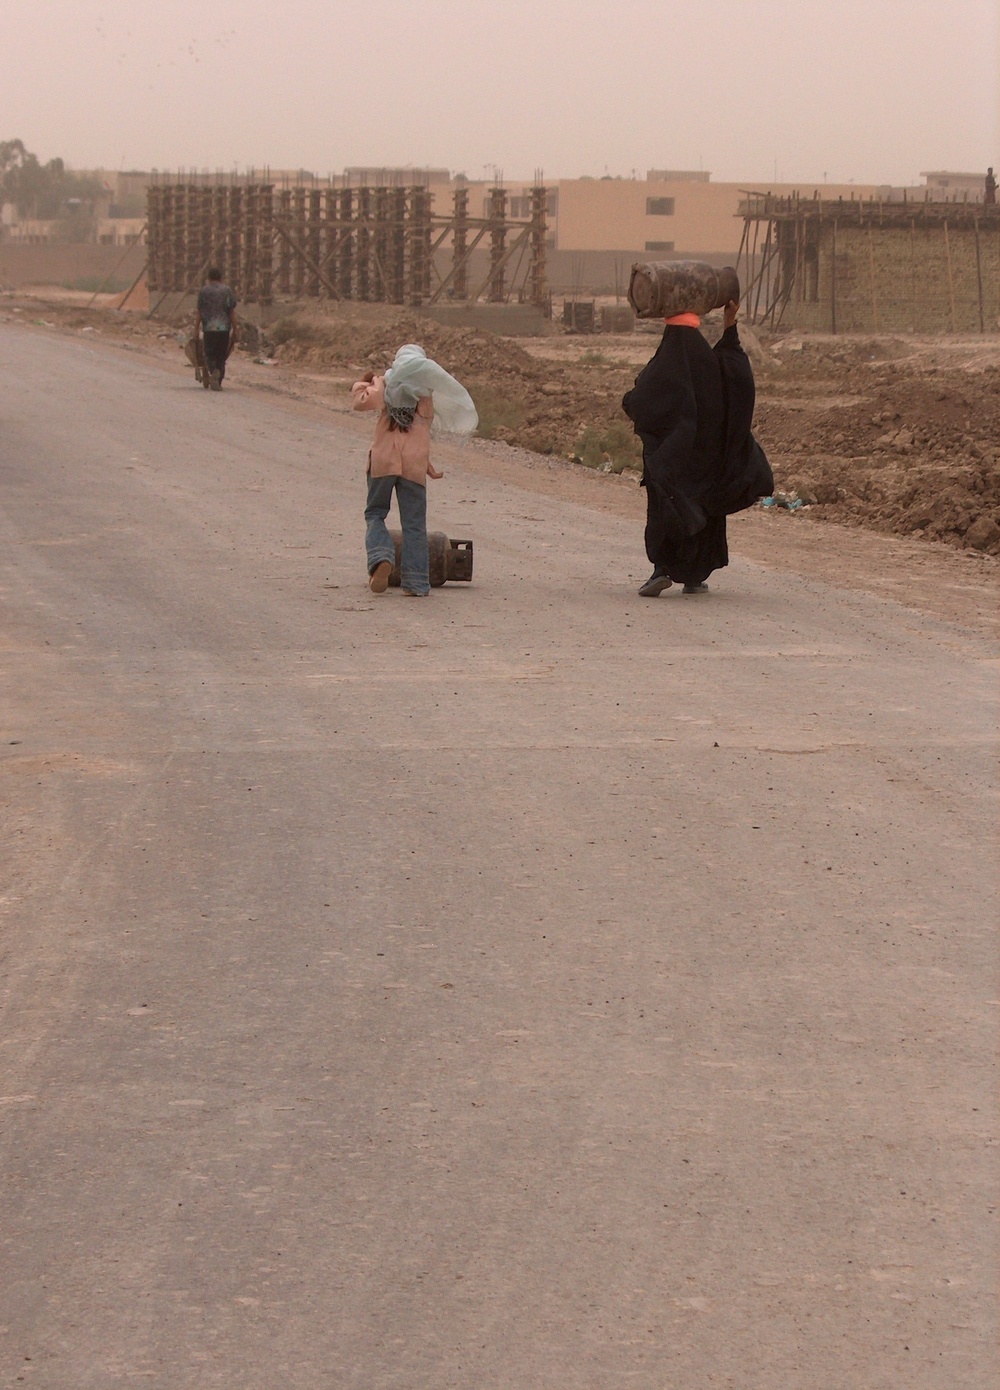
x: 397, y: 453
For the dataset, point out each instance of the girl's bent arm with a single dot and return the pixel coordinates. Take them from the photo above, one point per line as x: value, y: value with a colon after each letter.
x: 368, y: 395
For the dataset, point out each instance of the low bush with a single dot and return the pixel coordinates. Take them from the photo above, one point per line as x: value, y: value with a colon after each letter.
x: 499, y: 412
x: 615, y: 447
x: 286, y: 329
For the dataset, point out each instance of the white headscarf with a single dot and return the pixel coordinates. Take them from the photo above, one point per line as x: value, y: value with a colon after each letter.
x: 413, y: 375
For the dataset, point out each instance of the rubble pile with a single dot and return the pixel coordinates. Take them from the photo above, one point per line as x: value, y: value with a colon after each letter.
x: 524, y: 401
x: 907, y: 447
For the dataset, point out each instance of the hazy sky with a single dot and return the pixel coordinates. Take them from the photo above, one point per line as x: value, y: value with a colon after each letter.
x: 871, y: 90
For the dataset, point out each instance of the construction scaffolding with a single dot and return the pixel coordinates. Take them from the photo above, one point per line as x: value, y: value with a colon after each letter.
x: 329, y: 241
x: 837, y: 265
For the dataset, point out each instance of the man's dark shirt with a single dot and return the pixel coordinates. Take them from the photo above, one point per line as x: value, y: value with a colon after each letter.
x: 216, y: 303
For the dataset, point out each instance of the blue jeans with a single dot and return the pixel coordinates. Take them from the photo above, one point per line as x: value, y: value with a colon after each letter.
x: 411, y: 498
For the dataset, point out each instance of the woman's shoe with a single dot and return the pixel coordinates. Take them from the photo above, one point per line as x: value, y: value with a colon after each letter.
x: 655, y: 585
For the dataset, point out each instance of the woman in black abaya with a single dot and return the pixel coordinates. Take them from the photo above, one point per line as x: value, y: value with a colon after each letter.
x: 692, y: 407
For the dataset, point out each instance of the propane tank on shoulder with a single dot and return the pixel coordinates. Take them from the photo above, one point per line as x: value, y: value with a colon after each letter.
x: 661, y: 289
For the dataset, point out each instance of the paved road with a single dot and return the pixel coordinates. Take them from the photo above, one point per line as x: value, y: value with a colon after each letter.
x: 531, y: 987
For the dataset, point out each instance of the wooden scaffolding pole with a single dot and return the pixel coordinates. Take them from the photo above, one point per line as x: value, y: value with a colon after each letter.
x: 233, y: 269
x: 265, y: 244
x: 419, y: 246
x: 345, y: 246
x: 498, y: 243
x: 380, y: 244
x: 363, y: 244
x: 295, y: 239
x: 285, y: 255
x: 396, y: 247
x: 312, y: 239
x: 539, y: 293
x: 248, y: 288
x: 871, y: 277
x: 459, y: 244
x: 153, y: 238
x: 951, y: 277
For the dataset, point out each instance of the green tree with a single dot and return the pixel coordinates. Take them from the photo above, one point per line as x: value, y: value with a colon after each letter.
x: 46, y: 191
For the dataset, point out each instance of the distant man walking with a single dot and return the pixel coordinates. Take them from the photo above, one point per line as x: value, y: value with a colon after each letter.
x: 216, y: 317
x: 990, y: 192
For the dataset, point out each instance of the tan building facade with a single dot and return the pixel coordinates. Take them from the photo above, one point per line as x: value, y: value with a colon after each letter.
x: 947, y: 186
x: 683, y: 216
x: 106, y: 231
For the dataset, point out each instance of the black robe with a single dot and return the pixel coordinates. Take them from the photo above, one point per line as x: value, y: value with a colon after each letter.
x: 692, y: 407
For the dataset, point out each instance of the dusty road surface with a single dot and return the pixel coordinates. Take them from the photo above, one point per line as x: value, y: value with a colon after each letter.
x: 532, y: 986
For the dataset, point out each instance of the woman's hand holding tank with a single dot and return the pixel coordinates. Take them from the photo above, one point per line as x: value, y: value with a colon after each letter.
x: 730, y: 313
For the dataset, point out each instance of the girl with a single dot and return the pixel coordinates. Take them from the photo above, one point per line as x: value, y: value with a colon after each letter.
x: 399, y: 461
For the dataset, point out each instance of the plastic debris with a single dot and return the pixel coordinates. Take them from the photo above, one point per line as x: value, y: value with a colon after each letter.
x: 785, y: 501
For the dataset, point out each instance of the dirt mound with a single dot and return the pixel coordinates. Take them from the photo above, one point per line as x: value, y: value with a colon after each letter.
x: 547, y: 407
x: 909, y: 448
x: 371, y: 340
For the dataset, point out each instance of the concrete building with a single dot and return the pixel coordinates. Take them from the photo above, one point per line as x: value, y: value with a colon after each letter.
x: 599, y: 227
x: 948, y: 187
x: 656, y: 217
x: 107, y: 231
x: 872, y: 266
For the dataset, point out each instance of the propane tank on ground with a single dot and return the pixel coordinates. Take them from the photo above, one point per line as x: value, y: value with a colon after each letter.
x: 447, y: 559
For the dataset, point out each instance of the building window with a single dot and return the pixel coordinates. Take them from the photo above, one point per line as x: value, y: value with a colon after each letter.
x: 659, y: 245
x: 659, y: 207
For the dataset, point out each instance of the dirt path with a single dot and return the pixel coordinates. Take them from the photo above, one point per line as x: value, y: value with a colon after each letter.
x: 961, y: 586
x: 531, y: 986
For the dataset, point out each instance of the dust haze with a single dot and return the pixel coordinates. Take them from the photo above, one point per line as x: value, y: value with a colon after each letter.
x: 748, y: 89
